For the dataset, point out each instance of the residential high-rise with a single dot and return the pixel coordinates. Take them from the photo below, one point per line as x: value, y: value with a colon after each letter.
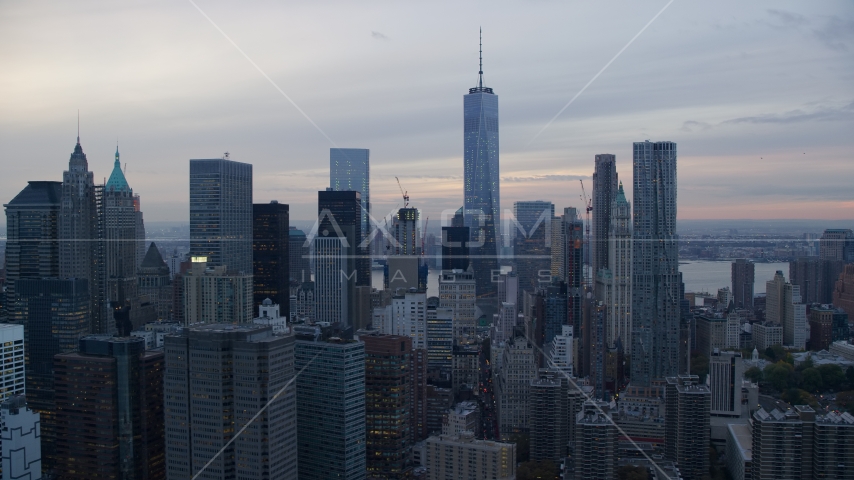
x: 271, y: 275
x: 549, y: 426
x: 155, y: 283
x: 816, y: 277
x: 55, y: 315
x: 406, y: 316
x: 218, y: 377
x: 462, y: 456
x: 655, y: 264
x: 12, y: 363
x: 20, y: 440
x: 604, y: 194
x: 482, y: 200
x: 781, y: 443
x: 350, y: 170
x: 837, y: 244
x: 406, y: 230
x: 109, y: 410
x: 440, y: 339
x: 686, y: 424
x: 331, y: 408
x: 742, y: 283
x: 532, y: 249
x: 389, y: 392
x: 298, y: 256
x: 595, y: 442
x: 214, y: 295
x: 32, y: 234
x: 221, y: 213
x: 619, y: 314
x: 573, y: 268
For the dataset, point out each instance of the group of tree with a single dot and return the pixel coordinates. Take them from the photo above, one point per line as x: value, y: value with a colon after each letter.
x: 537, y: 470
x: 782, y: 376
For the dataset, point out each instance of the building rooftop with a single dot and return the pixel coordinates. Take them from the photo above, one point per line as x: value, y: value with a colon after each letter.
x: 743, y: 439
x: 38, y: 193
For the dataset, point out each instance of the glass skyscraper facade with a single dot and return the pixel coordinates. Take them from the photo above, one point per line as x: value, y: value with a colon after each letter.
x: 350, y: 170
x: 221, y: 213
x: 655, y: 264
x: 482, y: 201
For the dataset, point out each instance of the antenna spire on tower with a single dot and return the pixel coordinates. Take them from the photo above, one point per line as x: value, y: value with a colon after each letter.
x: 78, y: 126
x: 480, y: 55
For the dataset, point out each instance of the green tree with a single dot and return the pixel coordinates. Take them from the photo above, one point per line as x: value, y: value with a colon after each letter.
x: 779, y: 375
x: 630, y: 472
x: 769, y: 352
x: 812, y: 381
x: 796, y: 396
x: 849, y: 374
x: 537, y: 470
x: 523, y: 446
x: 754, y: 374
x: 808, y: 363
x: 846, y: 400
x: 832, y: 376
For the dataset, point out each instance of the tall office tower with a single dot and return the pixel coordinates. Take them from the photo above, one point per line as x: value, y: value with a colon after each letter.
x: 140, y: 229
x: 619, y: 314
x: 686, y: 424
x: 595, y: 442
x: 155, y: 283
x: 217, y: 378
x: 20, y: 440
x: 350, y: 170
x: 726, y: 370
x: 298, y: 256
x: 388, y: 405
x: 118, y: 235
x: 339, y: 213
x: 593, y: 341
x: 455, y: 244
x: 655, y: 264
x: 12, y: 363
x: 331, y: 408
x: 32, y: 248
x: 604, y: 195
x: 270, y: 254
x: 77, y: 219
x: 574, y: 264
x: 482, y: 203
x: 109, y: 410
x: 531, y: 247
x: 221, y: 213
x: 742, y: 283
x: 816, y: 277
x: 55, y: 314
x: 419, y: 394
x: 457, y: 291
x: 440, y: 339
x: 554, y: 310
x: 213, y: 295
x: 513, y: 384
x: 837, y: 244
x: 774, y: 309
x: 463, y: 456
x: 549, y: 426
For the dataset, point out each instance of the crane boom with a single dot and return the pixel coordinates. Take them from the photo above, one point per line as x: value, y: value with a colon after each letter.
x: 404, y: 193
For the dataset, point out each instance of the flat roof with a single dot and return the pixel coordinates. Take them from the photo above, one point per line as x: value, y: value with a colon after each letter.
x: 740, y: 432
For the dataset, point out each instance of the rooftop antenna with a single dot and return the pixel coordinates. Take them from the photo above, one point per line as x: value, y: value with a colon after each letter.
x: 78, y: 126
x: 480, y: 55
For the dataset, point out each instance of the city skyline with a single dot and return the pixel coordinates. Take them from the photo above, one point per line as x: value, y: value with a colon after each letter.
x: 739, y: 104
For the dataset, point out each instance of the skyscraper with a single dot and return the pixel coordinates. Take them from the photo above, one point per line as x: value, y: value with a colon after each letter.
x: 155, y: 282
x: 482, y: 204
x: 620, y: 264
x: 337, y: 255
x: 686, y: 424
x: 837, y: 244
x: 298, y: 253
x: 532, y: 249
x: 109, y: 402
x: 350, y: 170
x: 742, y: 283
x: 77, y: 219
x: 573, y: 263
x: 217, y: 378
x: 270, y: 254
x: 331, y: 409
x: 32, y: 248
x: 655, y: 264
x: 604, y: 194
x: 221, y: 213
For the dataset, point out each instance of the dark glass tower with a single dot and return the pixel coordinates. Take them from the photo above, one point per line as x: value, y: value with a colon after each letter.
x: 482, y: 201
x: 221, y: 213
x: 270, y: 255
x: 655, y: 264
x: 604, y: 194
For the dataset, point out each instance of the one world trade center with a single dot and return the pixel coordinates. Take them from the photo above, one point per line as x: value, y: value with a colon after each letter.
x: 482, y: 200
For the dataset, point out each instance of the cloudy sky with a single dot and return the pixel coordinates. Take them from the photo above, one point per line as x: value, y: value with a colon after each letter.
x: 758, y: 95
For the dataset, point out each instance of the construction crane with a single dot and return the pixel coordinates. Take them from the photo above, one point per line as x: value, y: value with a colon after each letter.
x: 588, y: 206
x: 404, y: 193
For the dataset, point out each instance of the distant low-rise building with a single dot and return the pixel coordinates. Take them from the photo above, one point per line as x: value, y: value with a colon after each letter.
x: 767, y: 334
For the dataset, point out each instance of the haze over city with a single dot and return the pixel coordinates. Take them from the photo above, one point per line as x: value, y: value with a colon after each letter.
x: 758, y: 96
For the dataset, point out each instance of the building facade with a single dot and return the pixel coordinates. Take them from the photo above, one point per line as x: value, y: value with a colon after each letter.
x: 20, y: 440
x: 155, y: 283
x: 462, y: 456
x: 271, y: 275
x: 619, y: 316
x: 743, y: 278
x: 350, y: 170
x: 686, y: 424
x: 604, y: 194
x: 214, y: 295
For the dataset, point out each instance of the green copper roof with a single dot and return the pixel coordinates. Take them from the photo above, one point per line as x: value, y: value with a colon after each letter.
x: 117, y: 181
x: 621, y: 195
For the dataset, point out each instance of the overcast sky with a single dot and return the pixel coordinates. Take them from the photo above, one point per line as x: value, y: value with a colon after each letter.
x: 758, y: 95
